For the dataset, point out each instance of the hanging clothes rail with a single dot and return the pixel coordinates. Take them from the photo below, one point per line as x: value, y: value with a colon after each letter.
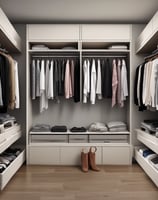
x: 109, y: 56
x: 54, y: 56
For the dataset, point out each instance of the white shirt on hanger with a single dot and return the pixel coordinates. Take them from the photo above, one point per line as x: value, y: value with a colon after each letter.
x: 93, y: 83
x: 86, y: 84
x: 43, y: 101
x: 154, y: 75
x: 17, y: 96
x: 124, y: 85
x: 50, y: 84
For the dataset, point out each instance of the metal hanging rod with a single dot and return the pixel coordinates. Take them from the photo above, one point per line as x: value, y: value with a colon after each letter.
x: 55, y: 56
x: 110, y: 56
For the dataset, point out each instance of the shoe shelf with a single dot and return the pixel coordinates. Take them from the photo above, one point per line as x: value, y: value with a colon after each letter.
x: 9, y: 172
x: 148, y: 139
x: 147, y: 167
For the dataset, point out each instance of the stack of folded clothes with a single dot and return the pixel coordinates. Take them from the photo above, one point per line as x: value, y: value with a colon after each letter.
x: 145, y: 152
x: 6, y: 121
x: 150, y: 126
x: 41, y: 128
x: 78, y: 129
x: 98, y: 126
x: 154, y: 161
x: 59, y: 128
x: 117, y: 126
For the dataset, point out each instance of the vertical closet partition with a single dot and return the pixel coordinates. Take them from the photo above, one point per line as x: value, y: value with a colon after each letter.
x: 57, y: 42
x: 10, y: 131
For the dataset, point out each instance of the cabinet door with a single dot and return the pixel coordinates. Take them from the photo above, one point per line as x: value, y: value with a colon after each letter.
x: 116, y: 155
x: 44, y: 155
x: 155, y: 22
x: 106, y: 32
x: 48, y: 32
x: 72, y: 155
x: 144, y: 36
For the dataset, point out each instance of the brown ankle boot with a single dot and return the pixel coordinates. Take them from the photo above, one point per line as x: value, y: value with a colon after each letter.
x: 91, y: 158
x: 84, y: 160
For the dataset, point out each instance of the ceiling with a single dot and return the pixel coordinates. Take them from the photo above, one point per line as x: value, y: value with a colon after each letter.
x: 79, y: 11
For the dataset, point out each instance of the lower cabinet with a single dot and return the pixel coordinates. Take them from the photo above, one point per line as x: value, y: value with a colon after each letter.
x: 71, y: 155
x: 117, y: 155
x: 43, y: 155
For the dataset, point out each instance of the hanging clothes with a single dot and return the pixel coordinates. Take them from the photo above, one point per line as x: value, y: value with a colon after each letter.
x: 119, y: 101
x: 9, y: 83
x: 124, y: 84
x: 99, y: 81
x: 146, y: 83
x: 93, y: 83
x: 114, y: 82
x: 17, y: 94
x: 106, y: 78
x: 77, y: 81
x: 50, y: 85
x: 68, y: 83
x: 86, y: 82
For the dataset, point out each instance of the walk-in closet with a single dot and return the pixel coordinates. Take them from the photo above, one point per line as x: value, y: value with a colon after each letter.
x: 78, y: 99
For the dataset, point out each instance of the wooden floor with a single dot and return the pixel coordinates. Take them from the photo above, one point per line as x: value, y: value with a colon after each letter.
x: 69, y: 183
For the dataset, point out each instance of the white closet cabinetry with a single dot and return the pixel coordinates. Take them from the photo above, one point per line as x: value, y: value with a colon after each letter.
x: 147, y: 42
x: 86, y: 40
x: 9, y: 40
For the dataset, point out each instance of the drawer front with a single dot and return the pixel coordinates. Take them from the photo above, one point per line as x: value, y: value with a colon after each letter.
x: 117, y: 155
x: 106, y: 32
x: 49, y: 138
x: 53, y: 32
x: 44, y: 155
x: 78, y: 138
x: 72, y: 155
x: 108, y: 138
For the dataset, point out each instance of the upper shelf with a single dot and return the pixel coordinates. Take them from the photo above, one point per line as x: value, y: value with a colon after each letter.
x: 148, y: 39
x: 9, y: 38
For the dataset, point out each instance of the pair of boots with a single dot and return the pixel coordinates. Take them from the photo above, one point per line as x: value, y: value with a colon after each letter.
x: 88, y: 159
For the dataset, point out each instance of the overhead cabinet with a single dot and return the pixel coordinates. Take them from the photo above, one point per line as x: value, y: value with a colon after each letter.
x: 146, y: 41
x: 53, y: 32
x: 110, y: 32
x: 9, y: 38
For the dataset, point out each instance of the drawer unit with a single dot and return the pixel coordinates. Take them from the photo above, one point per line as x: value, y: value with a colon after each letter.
x: 78, y: 138
x: 108, y: 138
x: 44, y: 155
x: 113, y: 155
x: 49, y: 138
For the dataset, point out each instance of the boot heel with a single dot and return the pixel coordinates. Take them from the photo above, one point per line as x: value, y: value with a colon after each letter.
x: 92, y: 160
x: 84, y: 160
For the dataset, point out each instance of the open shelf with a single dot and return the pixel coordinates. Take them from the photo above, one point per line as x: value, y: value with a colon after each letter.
x: 148, y: 139
x: 9, y: 172
x: 148, y: 168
